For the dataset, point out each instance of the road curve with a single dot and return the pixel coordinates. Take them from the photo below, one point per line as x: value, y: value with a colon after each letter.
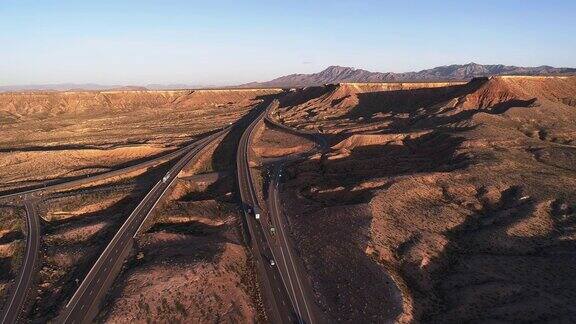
x: 301, y: 291
x: 315, y: 137
x: 277, y: 303
x: 27, y: 270
x: 84, y: 304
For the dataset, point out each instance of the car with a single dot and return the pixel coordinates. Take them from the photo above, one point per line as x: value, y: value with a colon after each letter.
x: 272, y: 262
x: 166, y: 177
x: 272, y: 230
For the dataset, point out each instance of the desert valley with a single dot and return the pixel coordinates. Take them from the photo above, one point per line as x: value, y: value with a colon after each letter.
x: 342, y: 196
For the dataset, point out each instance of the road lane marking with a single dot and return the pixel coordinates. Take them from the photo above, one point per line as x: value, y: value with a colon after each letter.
x: 131, y: 221
x: 276, y: 200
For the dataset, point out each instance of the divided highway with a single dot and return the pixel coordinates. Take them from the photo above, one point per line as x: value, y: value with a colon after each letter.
x: 296, y: 278
x: 294, y: 275
x: 287, y: 292
x: 276, y: 301
x: 84, y: 304
x: 23, y: 282
x: 25, y: 276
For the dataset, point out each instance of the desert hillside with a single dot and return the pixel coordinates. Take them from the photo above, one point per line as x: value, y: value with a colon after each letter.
x: 459, y: 72
x: 14, y: 105
x: 53, y: 137
x: 461, y: 194
x: 56, y: 135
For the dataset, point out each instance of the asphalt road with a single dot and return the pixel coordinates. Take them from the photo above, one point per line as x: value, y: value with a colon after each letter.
x: 84, y: 304
x: 293, y: 271
x: 97, y: 177
x: 19, y: 292
x: 27, y: 270
x: 277, y: 303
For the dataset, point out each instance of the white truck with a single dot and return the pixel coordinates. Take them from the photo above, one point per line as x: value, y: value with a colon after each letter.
x: 255, y: 211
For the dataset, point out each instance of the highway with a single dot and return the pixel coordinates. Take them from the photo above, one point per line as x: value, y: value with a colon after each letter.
x: 298, y: 284
x: 84, y: 304
x: 97, y: 177
x: 28, y: 268
x: 277, y: 303
x: 19, y: 291
x: 293, y: 271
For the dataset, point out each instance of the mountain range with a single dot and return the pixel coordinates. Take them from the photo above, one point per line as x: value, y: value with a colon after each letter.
x: 332, y: 74
x: 338, y: 74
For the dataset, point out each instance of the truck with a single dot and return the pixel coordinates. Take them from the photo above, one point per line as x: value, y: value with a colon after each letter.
x: 254, y: 211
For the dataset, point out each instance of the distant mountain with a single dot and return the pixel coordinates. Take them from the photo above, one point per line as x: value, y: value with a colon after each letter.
x: 58, y: 87
x: 97, y: 87
x: 337, y: 74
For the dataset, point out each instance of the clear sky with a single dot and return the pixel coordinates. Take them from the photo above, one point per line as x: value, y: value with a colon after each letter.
x: 228, y: 42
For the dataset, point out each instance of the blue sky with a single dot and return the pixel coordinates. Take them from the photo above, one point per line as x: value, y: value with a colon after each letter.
x: 229, y: 42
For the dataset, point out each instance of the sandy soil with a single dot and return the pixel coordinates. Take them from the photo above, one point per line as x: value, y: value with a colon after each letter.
x: 460, y: 195
x: 55, y: 135
x: 273, y: 143
x: 191, y: 264
x: 78, y: 224
x: 11, y: 245
x: 60, y: 135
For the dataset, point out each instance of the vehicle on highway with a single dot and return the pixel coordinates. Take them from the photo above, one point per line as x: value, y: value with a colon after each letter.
x: 272, y: 230
x: 272, y: 262
x: 254, y: 211
x: 166, y: 177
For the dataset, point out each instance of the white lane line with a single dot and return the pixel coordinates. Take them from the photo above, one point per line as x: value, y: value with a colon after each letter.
x: 290, y: 253
x: 290, y: 280
x: 29, y: 217
x: 127, y: 224
x: 252, y: 193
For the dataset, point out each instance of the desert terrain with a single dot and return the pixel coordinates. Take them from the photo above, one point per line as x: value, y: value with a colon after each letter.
x: 62, y: 135
x: 408, y: 202
x: 460, y: 196
x: 54, y: 137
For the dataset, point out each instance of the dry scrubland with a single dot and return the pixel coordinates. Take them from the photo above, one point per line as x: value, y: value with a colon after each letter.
x: 12, y: 241
x: 191, y: 264
x: 436, y: 202
x: 459, y: 196
x: 55, y: 135
x: 193, y: 251
x: 77, y: 226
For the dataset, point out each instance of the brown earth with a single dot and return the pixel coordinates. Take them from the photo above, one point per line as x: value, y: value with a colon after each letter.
x: 191, y: 264
x: 56, y: 135
x: 12, y: 242
x: 63, y: 135
x: 273, y: 143
x: 77, y: 226
x: 461, y: 195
